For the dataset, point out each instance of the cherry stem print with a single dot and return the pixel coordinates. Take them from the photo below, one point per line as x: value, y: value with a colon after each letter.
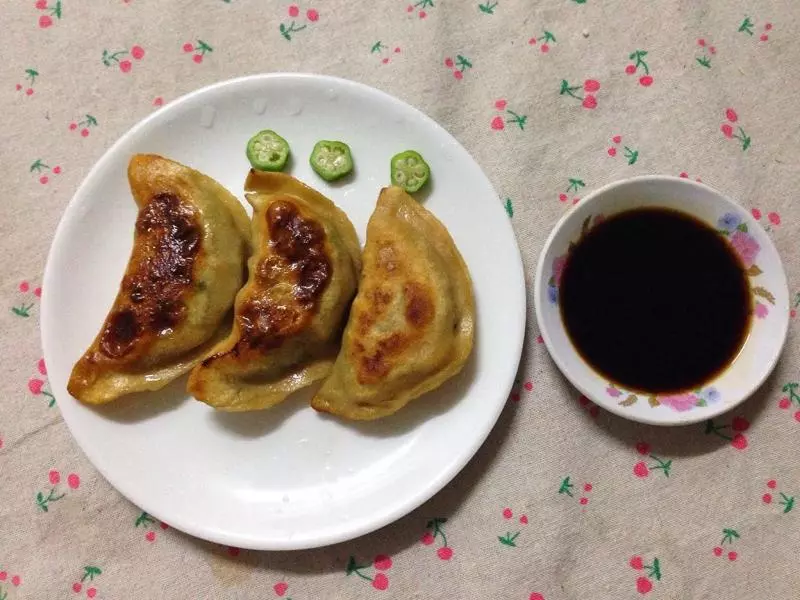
x: 653, y: 571
x: 508, y: 539
x: 379, y: 581
x: 566, y: 487
x: 42, y: 502
x: 463, y: 63
x: 787, y: 502
x: 37, y: 387
x: 144, y: 520
x: 54, y: 10
x: 23, y: 310
x: 31, y: 75
x: 353, y: 567
x: 727, y: 129
x: 792, y: 387
x: 88, y: 121
x: 435, y: 525
x: 574, y: 185
x: 424, y: 4
x: 288, y: 31
x: 38, y: 166
x: 705, y: 60
x: 546, y: 38
x: 737, y: 440
x: 742, y: 137
x: 487, y: 7
x: 746, y: 26
x: 377, y: 47
x: 588, y: 99
x: 509, y: 207
x: 499, y: 123
x: 642, y: 470
x: 90, y: 573
x: 728, y: 535
x: 638, y: 56
x: 112, y: 58
x: 631, y: 154
x: 566, y: 88
x: 202, y: 47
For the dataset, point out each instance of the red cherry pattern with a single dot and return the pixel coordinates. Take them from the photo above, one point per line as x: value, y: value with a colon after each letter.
x: 646, y: 80
x: 382, y: 562
x: 653, y: 570
x: 380, y: 582
x: 458, y: 66
x: 643, y: 585
x: 498, y: 122
x: 685, y: 175
x: 735, y: 436
x: 435, y: 530
x: 739, y: 441
x: 16, y: 580
x: 544, y: 47
x: 589, y: 88
x: 785, y: 502
x: 445, y: 553
x: 588, y: 405
x: 200, y: 49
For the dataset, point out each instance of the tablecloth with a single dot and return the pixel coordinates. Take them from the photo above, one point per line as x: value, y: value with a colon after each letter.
x: 554, y: 98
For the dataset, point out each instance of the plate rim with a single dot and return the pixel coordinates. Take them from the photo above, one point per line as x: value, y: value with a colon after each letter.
x: 413, y: 502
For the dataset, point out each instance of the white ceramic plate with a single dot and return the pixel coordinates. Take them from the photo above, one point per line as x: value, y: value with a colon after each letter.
x: 285, y: 478
x: 762, y: 348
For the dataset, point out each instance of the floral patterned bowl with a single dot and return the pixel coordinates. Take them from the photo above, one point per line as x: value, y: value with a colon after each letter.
x: 767, y: 283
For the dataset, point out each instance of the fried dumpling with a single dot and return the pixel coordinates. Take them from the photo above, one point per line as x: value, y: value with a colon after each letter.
x: 411, y: 326
x: 288, y: 318
x: 190, y: 247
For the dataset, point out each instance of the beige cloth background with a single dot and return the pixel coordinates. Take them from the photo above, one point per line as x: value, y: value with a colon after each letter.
x: 566, y: 550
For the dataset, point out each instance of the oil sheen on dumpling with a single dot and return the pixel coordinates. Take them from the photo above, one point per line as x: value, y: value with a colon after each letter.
x: 191, y: 243
x: 288, y: 318
x: 411, y: 325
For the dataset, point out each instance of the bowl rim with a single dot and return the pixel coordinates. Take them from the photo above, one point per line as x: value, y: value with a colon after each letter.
x: 540, y: 278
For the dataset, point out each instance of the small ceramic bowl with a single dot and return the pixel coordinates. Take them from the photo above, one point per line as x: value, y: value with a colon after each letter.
x: 767, y: 283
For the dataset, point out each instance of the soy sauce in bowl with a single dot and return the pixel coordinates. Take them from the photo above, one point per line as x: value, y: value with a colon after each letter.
x: 655, y: 301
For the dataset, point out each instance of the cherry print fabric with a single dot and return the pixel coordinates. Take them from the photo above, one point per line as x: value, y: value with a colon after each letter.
x: 554, y: 98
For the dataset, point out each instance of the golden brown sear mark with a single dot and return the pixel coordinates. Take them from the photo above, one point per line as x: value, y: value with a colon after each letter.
x: 419, y: 305
x: 167, y: 243
x: 419, y: 311
x: 299, y: 259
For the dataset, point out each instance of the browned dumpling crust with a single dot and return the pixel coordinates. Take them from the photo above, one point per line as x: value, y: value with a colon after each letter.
x: 290, y: 314
x: 411, y: 326
x: 190, y: 246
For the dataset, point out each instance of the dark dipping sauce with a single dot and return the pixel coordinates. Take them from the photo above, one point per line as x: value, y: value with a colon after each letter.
x: 655, y: 300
